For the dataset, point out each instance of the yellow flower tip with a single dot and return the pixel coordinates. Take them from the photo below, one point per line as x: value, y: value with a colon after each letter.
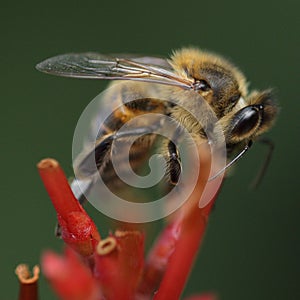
x: 106, y: 246
x: 48, y: 163
x: 24, y: 275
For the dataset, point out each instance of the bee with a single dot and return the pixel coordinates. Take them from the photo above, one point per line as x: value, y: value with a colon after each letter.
x: 242, y: 115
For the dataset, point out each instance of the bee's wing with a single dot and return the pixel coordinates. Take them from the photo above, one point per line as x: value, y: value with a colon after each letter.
x: 97, y: 66
x: 148, y: 60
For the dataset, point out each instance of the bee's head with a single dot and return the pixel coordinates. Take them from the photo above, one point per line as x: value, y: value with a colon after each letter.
x: 220, y: 83
x: 252, y: 120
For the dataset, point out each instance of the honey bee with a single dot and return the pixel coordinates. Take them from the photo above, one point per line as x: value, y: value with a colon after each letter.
x: 243, y: 116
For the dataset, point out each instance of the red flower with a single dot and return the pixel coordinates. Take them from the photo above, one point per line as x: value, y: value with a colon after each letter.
x: 77, y: 228
x: 114, y: 268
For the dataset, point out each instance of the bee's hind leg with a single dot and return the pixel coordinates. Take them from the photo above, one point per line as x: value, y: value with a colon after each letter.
x: 174, y: 163
x: 95, y: 158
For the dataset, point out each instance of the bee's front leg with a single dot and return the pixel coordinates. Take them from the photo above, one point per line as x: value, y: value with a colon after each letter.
x: 173, y: 163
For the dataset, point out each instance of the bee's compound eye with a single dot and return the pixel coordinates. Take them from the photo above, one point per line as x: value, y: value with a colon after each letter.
x: 245, y: 120
x: 202, y: 85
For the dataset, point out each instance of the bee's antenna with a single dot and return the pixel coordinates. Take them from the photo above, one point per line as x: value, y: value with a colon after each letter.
x: 257, y: 180
x: 246, y: 148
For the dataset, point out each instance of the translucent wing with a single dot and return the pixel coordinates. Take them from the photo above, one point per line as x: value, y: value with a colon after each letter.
x: 148, y: 60
x: 97, y: 66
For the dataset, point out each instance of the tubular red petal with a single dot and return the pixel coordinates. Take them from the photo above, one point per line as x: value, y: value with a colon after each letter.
x: 69, y: 277
x: 192, y: 230
x: 79, y: 232
x: 58, y: 187
x: 158, y: 259
x: 28, y: 282
x: 77, y: 228
x: 119, y: 263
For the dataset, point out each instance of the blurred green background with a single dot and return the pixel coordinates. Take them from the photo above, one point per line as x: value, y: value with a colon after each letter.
x: 252, y: 247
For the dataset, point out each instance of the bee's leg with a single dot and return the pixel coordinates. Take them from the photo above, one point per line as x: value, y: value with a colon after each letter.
x: 81, y: 187
x: 135, y: 131
x: 174, y: 163
x: 57, y: 230
x: 96, y: 158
